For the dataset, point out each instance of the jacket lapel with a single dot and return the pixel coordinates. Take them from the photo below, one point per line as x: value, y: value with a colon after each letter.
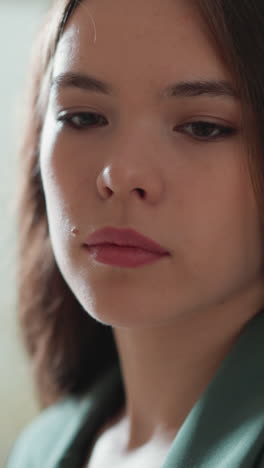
x: 225, y: 428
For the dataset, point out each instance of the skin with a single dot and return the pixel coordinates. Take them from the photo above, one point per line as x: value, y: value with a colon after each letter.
x: 198, y: 203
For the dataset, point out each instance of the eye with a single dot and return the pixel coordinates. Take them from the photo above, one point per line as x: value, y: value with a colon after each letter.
x: 81, y: 120
x: 206, y: 131
x: 199, y: 130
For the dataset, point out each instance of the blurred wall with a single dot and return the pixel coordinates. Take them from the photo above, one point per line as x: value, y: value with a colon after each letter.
x: 19, y: 22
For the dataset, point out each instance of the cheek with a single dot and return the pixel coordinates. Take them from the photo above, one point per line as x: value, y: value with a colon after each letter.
x: 54, y: 164
x: 60, y: 173
x: 48, y: 150
x: 68, y: 169
x: 221, y: 225
x: 57, y: 185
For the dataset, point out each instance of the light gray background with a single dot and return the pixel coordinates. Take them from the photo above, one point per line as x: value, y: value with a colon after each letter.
x: 19, y: 23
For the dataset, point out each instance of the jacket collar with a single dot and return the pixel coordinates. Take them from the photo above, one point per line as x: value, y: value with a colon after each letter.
x: 225, y: 428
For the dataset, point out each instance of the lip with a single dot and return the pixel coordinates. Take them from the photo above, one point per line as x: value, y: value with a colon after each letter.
x: 124, y: 238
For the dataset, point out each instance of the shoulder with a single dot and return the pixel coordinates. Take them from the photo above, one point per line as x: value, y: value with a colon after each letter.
x: 48, y: 434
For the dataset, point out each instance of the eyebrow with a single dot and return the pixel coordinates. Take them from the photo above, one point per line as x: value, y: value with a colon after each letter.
x: 194, y: 88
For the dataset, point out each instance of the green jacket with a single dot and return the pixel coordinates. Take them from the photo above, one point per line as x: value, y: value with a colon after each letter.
x: 224, y: 429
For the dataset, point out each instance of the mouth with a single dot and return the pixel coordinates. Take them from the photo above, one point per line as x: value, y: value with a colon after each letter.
x: 124, y: 238
x: 123, y: 247
x: 122, y: 256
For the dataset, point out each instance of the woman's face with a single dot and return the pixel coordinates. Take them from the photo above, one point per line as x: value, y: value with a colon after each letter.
x: 198, y: 202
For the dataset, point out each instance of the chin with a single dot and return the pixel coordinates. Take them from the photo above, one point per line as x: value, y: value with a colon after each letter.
x: 130, y: 316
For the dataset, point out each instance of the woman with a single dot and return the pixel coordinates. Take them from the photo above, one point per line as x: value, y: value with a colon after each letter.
x: 145, y: 124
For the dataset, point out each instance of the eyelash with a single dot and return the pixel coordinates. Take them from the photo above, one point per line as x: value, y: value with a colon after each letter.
x: 224, y: 131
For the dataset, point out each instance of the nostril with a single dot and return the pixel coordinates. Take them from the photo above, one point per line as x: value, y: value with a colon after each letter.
x: 141, y: 192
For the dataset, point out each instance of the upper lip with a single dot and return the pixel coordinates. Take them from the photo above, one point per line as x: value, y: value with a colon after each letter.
x: 124, y: 237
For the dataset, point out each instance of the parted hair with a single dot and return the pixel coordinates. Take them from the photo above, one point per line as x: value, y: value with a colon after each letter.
x: 68, y: 349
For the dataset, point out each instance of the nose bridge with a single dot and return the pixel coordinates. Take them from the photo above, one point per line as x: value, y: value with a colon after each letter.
x: 133, y: 162
x: 139, y: 127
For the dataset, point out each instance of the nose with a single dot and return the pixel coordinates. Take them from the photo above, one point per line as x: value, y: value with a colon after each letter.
x: 124, y: 180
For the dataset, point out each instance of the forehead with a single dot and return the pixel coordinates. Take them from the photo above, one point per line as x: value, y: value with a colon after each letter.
x: 154, y: 39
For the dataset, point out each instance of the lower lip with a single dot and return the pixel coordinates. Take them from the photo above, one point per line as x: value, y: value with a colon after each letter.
x: 122, y: 256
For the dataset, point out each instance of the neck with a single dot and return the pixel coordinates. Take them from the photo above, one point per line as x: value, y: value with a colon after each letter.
x: 165, y: 370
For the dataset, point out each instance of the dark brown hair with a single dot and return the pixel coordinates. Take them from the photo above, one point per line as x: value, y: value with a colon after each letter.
x: 67, y: 347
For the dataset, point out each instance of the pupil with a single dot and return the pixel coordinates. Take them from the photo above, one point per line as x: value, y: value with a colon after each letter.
x: 88, y: 119
x: 203, y: 128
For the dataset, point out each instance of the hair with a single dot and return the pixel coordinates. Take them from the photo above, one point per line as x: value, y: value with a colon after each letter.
x: 68, y: 349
